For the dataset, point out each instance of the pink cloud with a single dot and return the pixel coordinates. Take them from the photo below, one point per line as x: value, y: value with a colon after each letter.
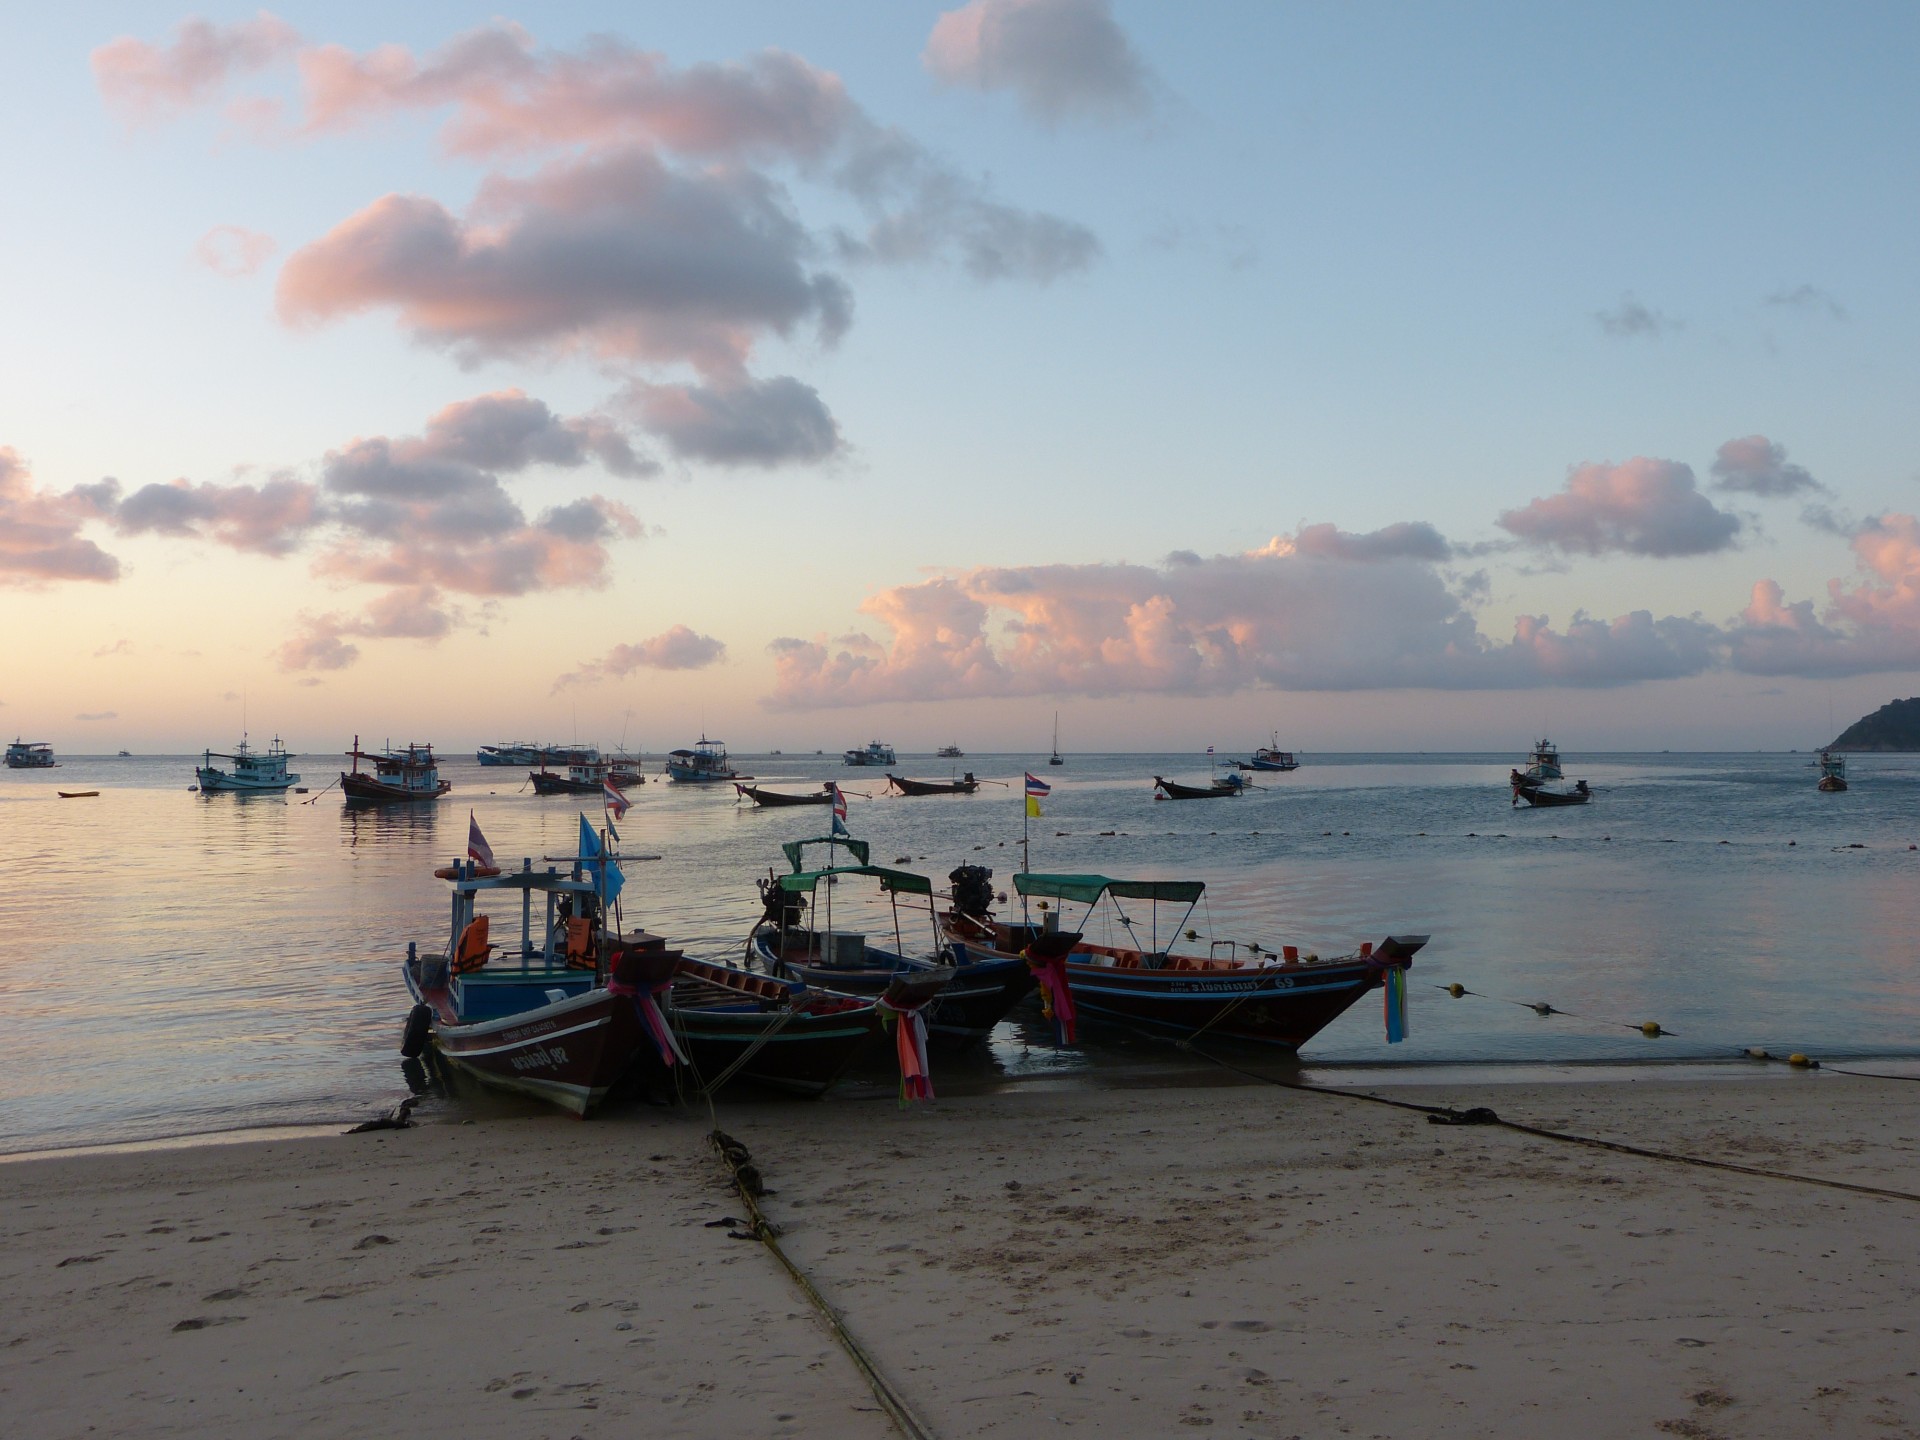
x: 413, y: 612
x: 147, y: 82
x: 273, y: 518
x: 1058, y: 57
x: 233, y: 251
x: 40, y: 539
x: 677, y: 648
x: 617, y: 255
x: 1872, y: 625
x: 1642, y: 507
x: 744, y: 422
x: 1757, y: 466
x: 1284, y: 616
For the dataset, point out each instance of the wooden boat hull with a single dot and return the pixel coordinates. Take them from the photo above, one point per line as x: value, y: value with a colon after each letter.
x: 368, y: 791
x: 547, y: 783
x: 1283, y: 1006
x: 933, y: 787
x: 977, y: 998
x: 1174, y: 790
x: 1535, y: 795
x: 570, y: 1053
x: 1832, y: 784
x: 798, y: 1042
x: 773, y: 799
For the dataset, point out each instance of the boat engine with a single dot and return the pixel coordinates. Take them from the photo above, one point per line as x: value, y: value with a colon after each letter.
x: 972, y: 890
x: 781, y: 908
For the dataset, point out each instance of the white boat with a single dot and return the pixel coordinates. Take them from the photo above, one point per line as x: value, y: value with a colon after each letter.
x: 30, y: 755
x: 1055, y: 758
x: 874, y: 754
x: 251, y: 771
x: 1272, y: 757
x: 1543, y: 762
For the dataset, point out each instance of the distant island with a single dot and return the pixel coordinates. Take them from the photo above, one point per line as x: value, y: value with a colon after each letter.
x: 1894, y: 726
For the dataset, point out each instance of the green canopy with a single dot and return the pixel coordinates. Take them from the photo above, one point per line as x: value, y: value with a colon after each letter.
x: 1088, y: 889
x: 795, y: 849
x: 901, y: 881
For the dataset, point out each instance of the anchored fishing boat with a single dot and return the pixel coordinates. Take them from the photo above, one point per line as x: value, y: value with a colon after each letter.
x: 875, y: 754
x: 965, y: 785
x: 776, y: 798
x: 705, y: 764
x: 397, y: 775
x: 1534, y: 793
x: 1272, y: 757
x: 951, y: 752
x: 1222, y: 785
x: 1833, y: 772
x: 583, y: 776
x: 626, y: 770
x: 251, y: 772
x: 30, y: 755
x: 967, y: 1000
x: 1543, y: 762
x: 1230, y: 990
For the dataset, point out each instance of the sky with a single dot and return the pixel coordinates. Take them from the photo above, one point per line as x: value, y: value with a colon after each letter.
x: 1387, y: 377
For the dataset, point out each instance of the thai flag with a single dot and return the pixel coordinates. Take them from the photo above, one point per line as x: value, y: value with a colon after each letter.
x: 478, y: 850
x: 613, y: 799
x: 1037, y: 790
x: 839, y: 810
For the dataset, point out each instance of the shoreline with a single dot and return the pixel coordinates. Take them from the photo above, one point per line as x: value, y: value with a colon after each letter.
x: 1249, y: 1259
x: 1133, y: 1078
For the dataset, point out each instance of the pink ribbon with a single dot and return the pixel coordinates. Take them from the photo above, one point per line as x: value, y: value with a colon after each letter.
x: 910, y: 1043
x: 646, y: 1001
x: 1056, y: 998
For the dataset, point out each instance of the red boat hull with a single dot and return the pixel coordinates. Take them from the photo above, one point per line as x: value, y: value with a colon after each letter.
x: 374, y: 792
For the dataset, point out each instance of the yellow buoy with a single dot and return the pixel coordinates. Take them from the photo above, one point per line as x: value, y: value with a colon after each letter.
x: 1456, y: 990
x: 1651, y: 1029
x: 1798, y: 1059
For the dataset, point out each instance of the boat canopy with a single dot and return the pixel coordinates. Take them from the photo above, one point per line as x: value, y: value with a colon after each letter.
x: 1087, y: 889
x: 802, y: 880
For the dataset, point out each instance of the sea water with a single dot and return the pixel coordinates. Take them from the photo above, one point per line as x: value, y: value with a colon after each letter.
x: 172, y: 962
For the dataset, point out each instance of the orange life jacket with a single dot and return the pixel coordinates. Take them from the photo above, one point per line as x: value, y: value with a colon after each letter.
x: 472, y: 951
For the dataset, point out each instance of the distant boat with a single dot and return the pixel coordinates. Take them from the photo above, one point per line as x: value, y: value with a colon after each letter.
x: 125, y: 755
x: 1054, y: 759
x: 1833, y: 772
x: 951, y: 752
x: 251, y: 771
x: 581, y: 777
x: 1540, y: 795
x: 705, y: 764
x: 522, y: 752
x: 76, y: 794
x: 775, y: 798
x: 1543, y: 761
x: 1222, y: 786
x: 397, y: 775
x: 1272, y: 757
x: 966, y: 785
x: 876, y: 753
x: 30, y: 755
x: 626, y: 770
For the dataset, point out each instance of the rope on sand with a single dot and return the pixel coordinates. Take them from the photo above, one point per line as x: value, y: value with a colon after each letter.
x: 1481, y: 1115
x: 746, y: 1180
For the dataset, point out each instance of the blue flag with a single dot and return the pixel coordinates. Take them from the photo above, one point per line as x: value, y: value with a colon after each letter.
x: 590, y: 857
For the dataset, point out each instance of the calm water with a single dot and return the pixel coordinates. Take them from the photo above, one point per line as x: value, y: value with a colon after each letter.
x: 172, y: 962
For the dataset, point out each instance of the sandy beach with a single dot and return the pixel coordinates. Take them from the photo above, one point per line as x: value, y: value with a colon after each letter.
x: 1243, y: 1259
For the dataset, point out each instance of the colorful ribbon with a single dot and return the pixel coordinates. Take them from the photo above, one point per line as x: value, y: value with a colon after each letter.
x: 646, y: 1001
x: 1056, y: 998
x: 1394, y: 1002
x: 910, y: 1043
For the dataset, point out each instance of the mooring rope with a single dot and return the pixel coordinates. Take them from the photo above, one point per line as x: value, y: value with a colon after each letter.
x: 746, y: 1181
x: 1482, y: 1115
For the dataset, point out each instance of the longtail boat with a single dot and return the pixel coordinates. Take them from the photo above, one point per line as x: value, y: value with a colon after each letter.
x: 1173, y: 790
x: 584, y: 775
x: 760, y: 795
x: 1231, y: 991
x: 976, y: 995
x: 1534, y: 793
x: 965, y: 785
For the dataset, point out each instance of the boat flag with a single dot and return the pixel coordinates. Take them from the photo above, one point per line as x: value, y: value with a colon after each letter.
x: 614, y: 799
x: 478, y: 850
x: 590, y: 857
x: 1037, y: 790
x: 839, y: 810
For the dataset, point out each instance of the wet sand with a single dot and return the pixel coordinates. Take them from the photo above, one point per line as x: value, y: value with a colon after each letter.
x: 1244, y: 1260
